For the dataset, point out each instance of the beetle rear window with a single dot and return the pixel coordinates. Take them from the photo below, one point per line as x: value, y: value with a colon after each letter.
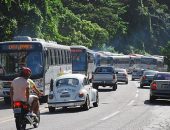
x: 67, y: 82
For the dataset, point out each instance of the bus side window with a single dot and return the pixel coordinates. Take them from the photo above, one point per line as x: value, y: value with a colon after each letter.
x: 59, y: 56
x: 49, y: 57
x: 70, y: 58
x: 55, y: 57
x: 63, y: 56
x: 46, y: 59
x: 52, y: 57
x: 65, y: 53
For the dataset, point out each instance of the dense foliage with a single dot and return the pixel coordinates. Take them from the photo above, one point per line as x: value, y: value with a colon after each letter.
x: 128, y: 26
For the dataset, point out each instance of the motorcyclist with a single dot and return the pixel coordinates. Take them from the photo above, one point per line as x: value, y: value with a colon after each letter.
x: 21, y: 90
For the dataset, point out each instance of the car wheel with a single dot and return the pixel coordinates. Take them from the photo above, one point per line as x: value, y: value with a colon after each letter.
x: 51, y: 109
x: 86, y: 106
x: 141, y: 86
x: 95, y: 86
x: 114, y: 87
x: 132, y: 79
x: 126, y: 82
x: 152, y: 99
x: 96, y: 104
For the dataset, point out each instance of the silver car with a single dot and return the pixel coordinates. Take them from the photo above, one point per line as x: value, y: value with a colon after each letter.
x: 160, y: 86
x: 122, y: 75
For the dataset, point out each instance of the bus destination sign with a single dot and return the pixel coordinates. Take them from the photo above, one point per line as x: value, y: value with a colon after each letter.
x: 16, y: 46
x: 20, y: 47
x: 76, y: 50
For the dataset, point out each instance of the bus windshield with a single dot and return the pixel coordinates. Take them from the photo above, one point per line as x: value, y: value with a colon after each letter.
x: 11, y: 62
x: 79, y: 60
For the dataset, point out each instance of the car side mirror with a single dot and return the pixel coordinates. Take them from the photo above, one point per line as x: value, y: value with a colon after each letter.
x: 51, y: 84
x: 116, y: 72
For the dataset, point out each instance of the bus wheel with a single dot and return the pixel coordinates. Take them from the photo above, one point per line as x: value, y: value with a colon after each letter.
x: 114, y: 87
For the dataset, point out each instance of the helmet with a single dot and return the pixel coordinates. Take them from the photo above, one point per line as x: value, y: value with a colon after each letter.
x: 25, y: 72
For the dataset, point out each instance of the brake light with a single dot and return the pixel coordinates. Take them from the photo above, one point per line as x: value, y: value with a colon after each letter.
x: 17, y: 104
x: 125, y: 75
x: 144, y: 77
x: 153, y: 86
x: 113, y: 76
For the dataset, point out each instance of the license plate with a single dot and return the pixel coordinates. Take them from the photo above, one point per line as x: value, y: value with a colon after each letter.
x: 17, y: 110
x: 165, y: 86
x: 64, y: 95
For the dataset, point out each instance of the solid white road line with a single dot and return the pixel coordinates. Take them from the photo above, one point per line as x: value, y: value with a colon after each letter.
x: 111, y: 115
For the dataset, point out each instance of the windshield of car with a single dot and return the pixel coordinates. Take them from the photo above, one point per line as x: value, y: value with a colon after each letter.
x: 163, y: 77
x: 67, y: 82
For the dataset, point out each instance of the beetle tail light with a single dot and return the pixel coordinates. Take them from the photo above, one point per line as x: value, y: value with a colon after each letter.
x: 81, y: 94
x: 153, y: 86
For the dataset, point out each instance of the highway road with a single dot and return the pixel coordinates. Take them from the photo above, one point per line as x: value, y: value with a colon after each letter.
x: 127, y: 108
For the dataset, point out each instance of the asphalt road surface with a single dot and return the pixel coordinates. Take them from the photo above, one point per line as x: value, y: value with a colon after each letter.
x: 127, y: 108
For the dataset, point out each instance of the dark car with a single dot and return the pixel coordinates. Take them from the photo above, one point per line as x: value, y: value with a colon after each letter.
x: 137, y: 73
x: 160, y: 86
x: 147, y: 77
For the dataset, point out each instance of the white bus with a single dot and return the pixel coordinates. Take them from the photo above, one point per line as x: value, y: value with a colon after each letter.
x: 82, y: 60
x: 148, y: 62
x: 102, y: 59
x: 47, y: 60
x: 122, y: 61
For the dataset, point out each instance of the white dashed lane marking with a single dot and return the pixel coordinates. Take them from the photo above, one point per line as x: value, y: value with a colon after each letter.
x: 111, y: 115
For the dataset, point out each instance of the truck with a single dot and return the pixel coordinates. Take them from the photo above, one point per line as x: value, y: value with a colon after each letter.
x: 104, y: 76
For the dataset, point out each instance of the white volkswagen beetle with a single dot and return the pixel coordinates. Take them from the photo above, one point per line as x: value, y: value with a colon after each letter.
x: 72, y: 90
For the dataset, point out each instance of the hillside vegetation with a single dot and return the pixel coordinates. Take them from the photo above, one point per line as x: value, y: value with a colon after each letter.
x: 127, y: 26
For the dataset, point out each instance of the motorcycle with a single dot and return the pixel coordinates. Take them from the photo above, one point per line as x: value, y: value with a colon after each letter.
x: 22, y: 118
